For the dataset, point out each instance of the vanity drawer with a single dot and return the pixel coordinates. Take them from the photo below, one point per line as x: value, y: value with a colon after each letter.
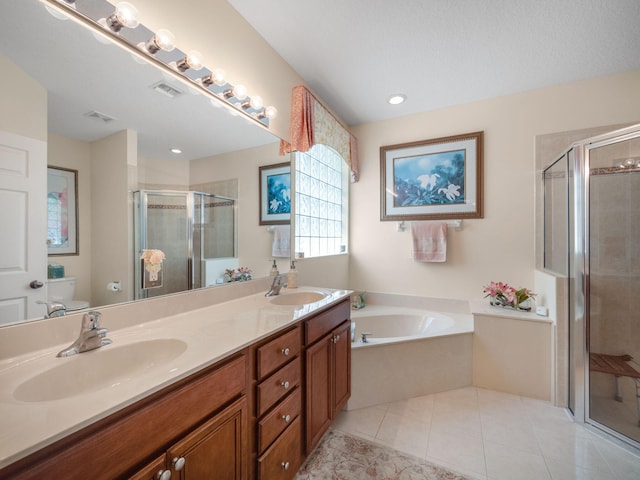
x: 277, y: 352
x: 318, y: 326
x: 279, y: 419
x: 284, y: 457
x: 278, y: 385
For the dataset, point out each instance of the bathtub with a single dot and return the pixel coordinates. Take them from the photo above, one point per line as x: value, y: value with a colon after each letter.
x: 387, y: 324
x: 412, y: 349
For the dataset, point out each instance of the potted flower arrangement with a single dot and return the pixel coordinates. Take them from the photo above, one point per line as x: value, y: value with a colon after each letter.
x: 238, y: 275
x: 504, y: 295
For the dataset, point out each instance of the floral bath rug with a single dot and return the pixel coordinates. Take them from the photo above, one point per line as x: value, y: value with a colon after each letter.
x: 343, y: 457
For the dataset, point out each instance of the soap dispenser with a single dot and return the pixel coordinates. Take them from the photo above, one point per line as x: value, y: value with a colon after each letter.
x: 274, y: 269
x: 292, y: 276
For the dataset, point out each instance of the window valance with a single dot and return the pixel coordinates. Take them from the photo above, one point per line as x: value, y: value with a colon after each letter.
x: 312, y: 123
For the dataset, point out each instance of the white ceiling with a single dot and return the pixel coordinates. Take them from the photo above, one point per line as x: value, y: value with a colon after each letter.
x: 355, y: 53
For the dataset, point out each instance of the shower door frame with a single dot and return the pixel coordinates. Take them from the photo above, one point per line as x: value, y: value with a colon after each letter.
x: 140, y: 230
x: 579, y: 275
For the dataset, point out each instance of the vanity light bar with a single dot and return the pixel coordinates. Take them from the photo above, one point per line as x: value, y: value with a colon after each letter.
x: 121, y: 25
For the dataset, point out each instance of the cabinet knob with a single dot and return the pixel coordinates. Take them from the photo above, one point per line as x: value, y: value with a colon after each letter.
x: 285, y: 385
x: 285, y: 465
x: 163, y: 475
x: 286, y: 418
x: 286, y: 352
x: 178, y: 463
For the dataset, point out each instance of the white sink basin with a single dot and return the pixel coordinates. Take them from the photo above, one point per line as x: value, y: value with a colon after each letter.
x: 297, y: 298
x: 98, y: 369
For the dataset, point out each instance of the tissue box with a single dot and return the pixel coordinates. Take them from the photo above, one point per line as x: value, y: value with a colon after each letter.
x: 55, y: 271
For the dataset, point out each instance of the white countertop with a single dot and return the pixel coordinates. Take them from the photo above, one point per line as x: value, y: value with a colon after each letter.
x: 210, y: 333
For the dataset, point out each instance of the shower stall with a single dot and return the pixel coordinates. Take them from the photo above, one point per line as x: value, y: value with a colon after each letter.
x: 191, y: 228
x: 592, y: 237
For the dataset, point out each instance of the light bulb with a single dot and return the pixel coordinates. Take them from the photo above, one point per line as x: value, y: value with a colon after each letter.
x: 270, y: 112
x: 216, y: 77
x: 254, y: 102
x: 193, y: 61
x: 126, y: 15
x: 163, y: 39
x: 240, y: 92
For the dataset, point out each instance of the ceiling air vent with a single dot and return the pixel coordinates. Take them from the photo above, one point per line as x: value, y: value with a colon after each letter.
x: 166, y: 89
x: 99, y: 116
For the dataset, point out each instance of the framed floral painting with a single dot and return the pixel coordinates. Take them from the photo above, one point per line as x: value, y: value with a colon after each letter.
x: 434, y: 179
x: 62, y: 211
x: 275, y: 194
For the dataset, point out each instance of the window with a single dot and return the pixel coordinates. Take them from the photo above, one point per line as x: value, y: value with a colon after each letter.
x: 322, y: 203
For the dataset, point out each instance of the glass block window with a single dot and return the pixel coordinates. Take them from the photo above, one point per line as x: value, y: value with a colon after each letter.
x: 321, y: 206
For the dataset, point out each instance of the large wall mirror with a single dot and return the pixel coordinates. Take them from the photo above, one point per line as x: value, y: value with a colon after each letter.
x: 115, y: 119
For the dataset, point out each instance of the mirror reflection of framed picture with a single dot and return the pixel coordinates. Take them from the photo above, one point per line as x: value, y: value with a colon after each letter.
x: 275, y: 194
x: 62, y: 211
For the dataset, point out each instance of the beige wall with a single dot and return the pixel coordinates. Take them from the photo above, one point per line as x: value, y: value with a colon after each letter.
x: 501, y: 245
x: 111, y: 255
x: 68, y: 153
x: 24, y: 103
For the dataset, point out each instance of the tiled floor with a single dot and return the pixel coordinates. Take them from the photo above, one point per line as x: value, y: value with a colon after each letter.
x: 493, y: 436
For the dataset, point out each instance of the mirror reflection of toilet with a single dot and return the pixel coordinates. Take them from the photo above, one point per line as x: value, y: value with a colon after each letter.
x: 62, y: 290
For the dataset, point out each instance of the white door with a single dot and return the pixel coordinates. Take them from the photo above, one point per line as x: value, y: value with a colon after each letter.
x: 23, y: 223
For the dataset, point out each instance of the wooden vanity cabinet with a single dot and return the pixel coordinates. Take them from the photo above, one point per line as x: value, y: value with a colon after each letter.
x: 217, y: 449
x: 182, y: 419
x: 328, y: 369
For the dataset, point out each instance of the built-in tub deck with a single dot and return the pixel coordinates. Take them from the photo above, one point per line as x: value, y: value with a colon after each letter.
x: 411, y: 349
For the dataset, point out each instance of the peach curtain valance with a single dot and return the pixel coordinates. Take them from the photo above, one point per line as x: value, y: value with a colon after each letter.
x: 312, y: 123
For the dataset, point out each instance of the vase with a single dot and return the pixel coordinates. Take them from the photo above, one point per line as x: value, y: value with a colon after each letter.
x: 525, y: 305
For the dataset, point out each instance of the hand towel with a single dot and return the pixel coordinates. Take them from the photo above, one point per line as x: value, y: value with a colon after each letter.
x: 281, y: 241
x: 429, y: 241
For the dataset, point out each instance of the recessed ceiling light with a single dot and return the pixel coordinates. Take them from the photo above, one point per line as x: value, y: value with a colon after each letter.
x: 176, y: 150
x: 397, y: 98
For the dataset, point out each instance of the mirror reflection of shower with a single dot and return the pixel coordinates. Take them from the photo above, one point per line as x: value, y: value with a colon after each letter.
x: 195, y: 231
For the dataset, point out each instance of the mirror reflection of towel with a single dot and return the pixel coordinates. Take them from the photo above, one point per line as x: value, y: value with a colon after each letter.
x: 429, y: 241
x: 281, y: 241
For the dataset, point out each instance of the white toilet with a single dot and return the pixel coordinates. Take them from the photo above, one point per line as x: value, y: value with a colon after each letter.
x: 62, y: 290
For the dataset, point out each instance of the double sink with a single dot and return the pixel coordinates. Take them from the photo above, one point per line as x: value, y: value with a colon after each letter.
x: 114, y: 364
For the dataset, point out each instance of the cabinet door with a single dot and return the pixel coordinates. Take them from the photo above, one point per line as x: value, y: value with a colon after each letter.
x: 319, y: 403
x: 216, y: 450
x: 341, y: 367
x: 153, y: 471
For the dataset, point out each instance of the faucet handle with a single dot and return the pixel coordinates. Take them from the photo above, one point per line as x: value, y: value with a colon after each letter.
x: 91, y: 320
x: 54, y: 309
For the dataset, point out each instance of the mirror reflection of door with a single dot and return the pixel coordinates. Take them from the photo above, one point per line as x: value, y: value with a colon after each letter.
x: 614, y: 282
x: 23, y: 249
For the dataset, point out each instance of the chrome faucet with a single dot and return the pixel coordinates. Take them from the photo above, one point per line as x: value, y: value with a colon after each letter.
x: 276, y: 285
x: 91, y: 336
x: 54, y: 309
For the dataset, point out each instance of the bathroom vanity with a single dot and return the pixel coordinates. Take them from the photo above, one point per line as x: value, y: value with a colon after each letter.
x: 252, y: 393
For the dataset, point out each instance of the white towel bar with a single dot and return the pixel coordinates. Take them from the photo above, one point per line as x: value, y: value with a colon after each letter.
x: 457, y: 224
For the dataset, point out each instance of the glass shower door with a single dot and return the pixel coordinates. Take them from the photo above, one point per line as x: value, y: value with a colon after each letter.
x: 613, y: 286
x: 164, y: 224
